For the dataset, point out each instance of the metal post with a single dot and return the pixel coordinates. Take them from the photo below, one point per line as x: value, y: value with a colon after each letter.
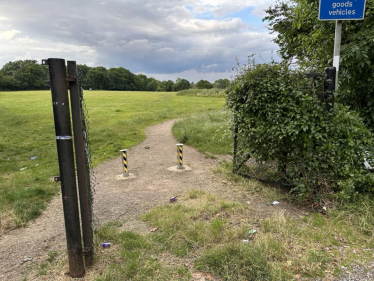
x: 331, y: 75
x: 235, y: 160
x: 125, y: 162
x: 338, y: 41
x: 180, y: 155
x: 64, y: 141
x: 85, y: 206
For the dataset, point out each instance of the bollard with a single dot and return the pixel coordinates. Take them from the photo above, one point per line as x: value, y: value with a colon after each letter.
x: 180, y: 156
x: 125, y: 162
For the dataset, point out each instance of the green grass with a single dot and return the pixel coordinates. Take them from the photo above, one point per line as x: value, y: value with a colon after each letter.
x: 116, y: 119
x: 218, y: 93
x: 210, y: 231
x: 208, y: 132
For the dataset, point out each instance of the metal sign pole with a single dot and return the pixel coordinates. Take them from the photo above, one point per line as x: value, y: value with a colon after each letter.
x: 337, y: 44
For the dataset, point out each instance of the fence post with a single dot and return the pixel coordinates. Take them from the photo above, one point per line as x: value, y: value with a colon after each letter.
x: 235, y: 152
x: 180, y: 156
x: 85, y: 206
x: 64, y: 141
x: 125, y: 162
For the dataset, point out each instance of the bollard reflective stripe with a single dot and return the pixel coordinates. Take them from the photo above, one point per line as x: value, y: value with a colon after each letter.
x: 125, y: 164
x: 180, y: 155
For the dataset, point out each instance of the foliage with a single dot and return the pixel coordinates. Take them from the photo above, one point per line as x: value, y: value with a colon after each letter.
x: 23, y: 75
x: 302, y: 37
x: 281, y: 119
x: 221, y: 83
x: 204, y: 84
x: 181, y: 84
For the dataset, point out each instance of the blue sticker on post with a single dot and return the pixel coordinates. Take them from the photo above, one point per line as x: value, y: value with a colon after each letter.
x: 341, y: 10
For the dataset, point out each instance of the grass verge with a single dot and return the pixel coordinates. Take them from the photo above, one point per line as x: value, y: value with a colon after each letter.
x: 204, y: 233
x: 208, y: 132
x: 217, y: 93
x: 116, y: 121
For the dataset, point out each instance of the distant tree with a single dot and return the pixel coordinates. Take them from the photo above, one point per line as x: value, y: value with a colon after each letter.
x: 140, y: 82
x: 167, y: 86
x: 204, y: 84
x: 97, y: 78
x: 82, y: 71
x: 152, y: 84
x: 181, y: 84
x: 121, y: 79
x: 221, y: 83
x: 30, y: 76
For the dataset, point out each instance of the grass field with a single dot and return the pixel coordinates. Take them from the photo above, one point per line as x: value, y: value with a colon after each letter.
x: 116, y: 120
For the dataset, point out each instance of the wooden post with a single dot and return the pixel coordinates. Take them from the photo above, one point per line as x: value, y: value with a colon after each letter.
x: 85, y: 206
x: 64, y: 141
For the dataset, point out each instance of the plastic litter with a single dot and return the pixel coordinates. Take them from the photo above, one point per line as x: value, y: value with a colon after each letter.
x: 8, y: 158
x: 33, y: 158
x: 252, y: 231
x: 24, y: 168
x: 36, y: 165
x: 153, y: 229
x: 173, y: 199
x: 275, y: 203
x: 245, y: 241
x: 106, y: 244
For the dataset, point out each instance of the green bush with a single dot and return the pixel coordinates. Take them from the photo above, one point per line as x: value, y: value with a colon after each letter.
x: 280, y: 118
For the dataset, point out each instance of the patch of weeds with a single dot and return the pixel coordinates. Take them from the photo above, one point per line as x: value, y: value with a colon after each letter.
x: 240, y: 262
x: 52, y: 256
x: 43, y: 268
x: 138, y: 260
x: 108, y: 232
x: 193, y: 194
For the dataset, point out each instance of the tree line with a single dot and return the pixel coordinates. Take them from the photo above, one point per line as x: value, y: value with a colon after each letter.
x: 29, y: 75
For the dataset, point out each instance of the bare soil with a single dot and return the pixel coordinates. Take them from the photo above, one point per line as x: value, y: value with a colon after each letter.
x: 22, y: 250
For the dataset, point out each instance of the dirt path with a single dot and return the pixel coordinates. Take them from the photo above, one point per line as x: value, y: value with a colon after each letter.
x: 122, y: 200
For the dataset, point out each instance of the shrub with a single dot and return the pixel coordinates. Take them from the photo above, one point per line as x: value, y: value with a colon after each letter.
x: 280, y: 118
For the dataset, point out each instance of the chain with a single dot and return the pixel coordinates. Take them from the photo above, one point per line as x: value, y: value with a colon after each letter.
x: 91, y: 177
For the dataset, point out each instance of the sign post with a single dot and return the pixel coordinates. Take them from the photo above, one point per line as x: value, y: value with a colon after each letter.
x: 340, y: 10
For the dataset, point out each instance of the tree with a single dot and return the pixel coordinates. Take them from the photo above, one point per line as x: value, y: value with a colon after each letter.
x: 121, y: 79
x: 167, y: 86
x: 221, y: 83
x: 97, y: 78
x: 204, y: 84
x: 181, y: 84
x: 303, y: 38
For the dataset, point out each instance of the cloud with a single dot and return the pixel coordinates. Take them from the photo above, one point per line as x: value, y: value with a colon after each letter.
x: 149, y: 36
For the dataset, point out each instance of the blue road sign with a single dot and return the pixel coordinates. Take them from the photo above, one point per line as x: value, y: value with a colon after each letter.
x: 342, y: 9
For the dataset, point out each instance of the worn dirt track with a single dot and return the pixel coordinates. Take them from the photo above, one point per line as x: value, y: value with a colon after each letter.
x: 122, y: 200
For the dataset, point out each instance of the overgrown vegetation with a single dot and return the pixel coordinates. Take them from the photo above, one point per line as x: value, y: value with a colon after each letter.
x: 207, y: 132
x: 215, y: 92
x: 27, y: 130
x: 280, y: 118
x: 303, y: 38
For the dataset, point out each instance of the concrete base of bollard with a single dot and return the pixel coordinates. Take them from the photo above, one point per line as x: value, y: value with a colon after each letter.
x: 175, y: 169
x: 122, y: 178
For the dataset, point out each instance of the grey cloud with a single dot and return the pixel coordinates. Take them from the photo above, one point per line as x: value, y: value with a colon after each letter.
x: 143, y: 35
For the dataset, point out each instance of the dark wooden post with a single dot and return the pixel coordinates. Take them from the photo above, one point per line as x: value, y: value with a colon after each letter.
x: 85, y: 206
x: 64, y: 141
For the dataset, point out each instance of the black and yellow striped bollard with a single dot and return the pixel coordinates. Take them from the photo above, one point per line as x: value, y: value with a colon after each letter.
x: 180, y: 156
x: 125, y: 162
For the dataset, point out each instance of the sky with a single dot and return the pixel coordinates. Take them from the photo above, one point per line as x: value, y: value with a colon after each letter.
x: 164, y: 39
